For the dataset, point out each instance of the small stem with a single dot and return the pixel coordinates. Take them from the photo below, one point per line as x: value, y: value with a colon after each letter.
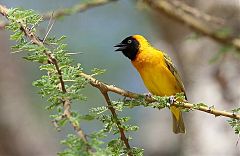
x: 77, y: 8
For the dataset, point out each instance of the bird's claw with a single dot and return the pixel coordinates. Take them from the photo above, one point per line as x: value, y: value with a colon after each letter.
x: 148, y: 95
x: 172, y: 100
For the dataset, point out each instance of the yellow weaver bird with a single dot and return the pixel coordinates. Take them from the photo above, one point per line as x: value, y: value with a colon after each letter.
x: 157, y: 71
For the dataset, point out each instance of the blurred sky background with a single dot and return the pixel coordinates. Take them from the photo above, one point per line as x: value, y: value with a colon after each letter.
x: 25, y: 128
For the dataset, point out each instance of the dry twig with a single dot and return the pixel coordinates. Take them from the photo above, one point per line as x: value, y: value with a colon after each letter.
x: 81, y: 7
x: 197, y: 13
x: 180, y: 14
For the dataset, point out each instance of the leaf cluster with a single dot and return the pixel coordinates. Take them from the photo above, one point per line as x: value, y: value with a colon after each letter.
x: 61, y: 81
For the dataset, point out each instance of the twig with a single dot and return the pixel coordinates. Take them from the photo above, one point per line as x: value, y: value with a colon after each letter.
x: 179, y: 14
x: 197, y: 13
x: 80, y: 7
x: 95, y: 83
x: 66, y: 102
x: 49, y: 27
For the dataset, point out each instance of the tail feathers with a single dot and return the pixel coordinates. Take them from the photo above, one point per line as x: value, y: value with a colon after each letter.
x: 178, y: 124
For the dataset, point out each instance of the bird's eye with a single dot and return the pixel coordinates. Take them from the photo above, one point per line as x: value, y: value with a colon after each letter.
x: 129, y: 41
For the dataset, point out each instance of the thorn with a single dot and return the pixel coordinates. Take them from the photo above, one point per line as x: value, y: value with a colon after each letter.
x: 49, y: 27
x: 33, y: 26
x: 234, y: 114
x: 211, y: 108
x: 75, y: 53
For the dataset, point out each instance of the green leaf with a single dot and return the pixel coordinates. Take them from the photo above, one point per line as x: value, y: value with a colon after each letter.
x: 236, y: 110
x: 98, y: 110
x: 197, y: 106
x: 97, y: 71
x: 75, y: 146
x: 137, y: 151
x: 235, y: 124
x: 88, y: 117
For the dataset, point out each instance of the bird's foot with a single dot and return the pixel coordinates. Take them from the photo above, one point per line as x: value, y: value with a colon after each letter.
x: 172, y: 100
x: 148, y: 95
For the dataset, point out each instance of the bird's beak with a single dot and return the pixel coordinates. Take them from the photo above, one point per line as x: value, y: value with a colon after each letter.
x: 121, y: 46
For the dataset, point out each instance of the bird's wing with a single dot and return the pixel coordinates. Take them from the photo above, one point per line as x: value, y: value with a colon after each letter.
x: 173, y: 70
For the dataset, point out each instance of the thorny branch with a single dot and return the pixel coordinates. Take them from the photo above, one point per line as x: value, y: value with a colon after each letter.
x: 181, y: 14
x: 66, y: 102
x: 110, y: 88
x: 118, y: 123
x: 104, y: 89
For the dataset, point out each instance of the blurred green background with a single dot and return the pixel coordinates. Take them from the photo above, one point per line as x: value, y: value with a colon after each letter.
x: 25, y: 128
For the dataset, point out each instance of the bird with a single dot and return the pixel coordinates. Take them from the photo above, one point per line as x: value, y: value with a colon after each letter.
x: 157, y: 71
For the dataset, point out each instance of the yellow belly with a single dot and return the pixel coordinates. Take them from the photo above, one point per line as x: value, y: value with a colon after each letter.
x: 156, y: 76
x: 159, y: 80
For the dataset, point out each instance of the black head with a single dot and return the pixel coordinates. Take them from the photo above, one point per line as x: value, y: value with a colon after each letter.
x: 129, y: 47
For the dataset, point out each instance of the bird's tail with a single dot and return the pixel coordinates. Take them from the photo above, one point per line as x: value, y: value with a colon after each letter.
x: 178, y: 124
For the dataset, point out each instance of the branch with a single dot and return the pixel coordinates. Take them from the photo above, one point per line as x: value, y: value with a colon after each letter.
x: 104, y: 89
x: 182, y: 15
x: 66, y: 102
x: 110, y: 88
x: 81, y: 7
x: 118, y: 123
x: 197, y: 13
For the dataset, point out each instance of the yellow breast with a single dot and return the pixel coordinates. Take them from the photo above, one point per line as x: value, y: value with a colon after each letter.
x: 156, y: 76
